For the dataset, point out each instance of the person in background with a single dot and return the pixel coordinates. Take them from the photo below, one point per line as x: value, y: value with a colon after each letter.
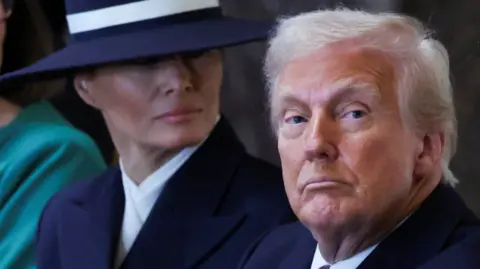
x: 186, y: 193
x: 40, y: 152
x: 362, y: 107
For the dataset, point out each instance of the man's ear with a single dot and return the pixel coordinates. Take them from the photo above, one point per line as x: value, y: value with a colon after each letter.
x: 429, y: 154
x: 81, y: 84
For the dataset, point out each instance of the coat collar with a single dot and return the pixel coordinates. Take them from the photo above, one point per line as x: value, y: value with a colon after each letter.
x: 184, y: 216
x: 96, y: 224
x: 423, y: 234
x: 208, y: 171
x: 420, y: 237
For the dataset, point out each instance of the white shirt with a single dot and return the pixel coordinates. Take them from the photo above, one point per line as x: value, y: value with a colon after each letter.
x: 350, y: 263
x: 139, y: 199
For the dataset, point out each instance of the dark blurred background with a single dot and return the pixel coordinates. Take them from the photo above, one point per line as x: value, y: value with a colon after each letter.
x: 456, y: 25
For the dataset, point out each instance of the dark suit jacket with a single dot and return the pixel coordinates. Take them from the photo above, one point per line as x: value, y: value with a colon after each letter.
x: 442, y: 233
x: 218, y: 203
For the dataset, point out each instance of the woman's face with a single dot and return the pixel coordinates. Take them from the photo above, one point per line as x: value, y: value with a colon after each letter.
x: 5, y: 11
x: 171, y: 104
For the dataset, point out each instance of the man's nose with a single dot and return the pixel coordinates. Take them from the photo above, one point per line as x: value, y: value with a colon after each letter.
x: 174, y: 77
x: 320, y: 138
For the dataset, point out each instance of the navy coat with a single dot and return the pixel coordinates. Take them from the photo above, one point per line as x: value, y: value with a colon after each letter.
x: 218, y: 203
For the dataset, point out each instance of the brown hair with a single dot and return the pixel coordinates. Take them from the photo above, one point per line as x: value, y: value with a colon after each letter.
x: 28, y: 39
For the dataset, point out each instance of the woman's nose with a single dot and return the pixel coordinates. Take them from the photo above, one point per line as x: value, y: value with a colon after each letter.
x: 174, y: 77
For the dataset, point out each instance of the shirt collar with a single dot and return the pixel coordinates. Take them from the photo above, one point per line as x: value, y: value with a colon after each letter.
x: 159, y: 177
x: 352, y: 262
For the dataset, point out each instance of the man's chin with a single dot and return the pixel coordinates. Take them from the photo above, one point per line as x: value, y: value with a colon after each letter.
x: 320, y: 217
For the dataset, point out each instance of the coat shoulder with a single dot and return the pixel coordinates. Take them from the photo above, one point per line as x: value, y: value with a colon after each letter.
x: 461, y: 250
x: 462, y: 246
x: 78, y: 190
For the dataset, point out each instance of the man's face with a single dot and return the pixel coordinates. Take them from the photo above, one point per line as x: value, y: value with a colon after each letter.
x: 347, y: 158
x: 171, y: 103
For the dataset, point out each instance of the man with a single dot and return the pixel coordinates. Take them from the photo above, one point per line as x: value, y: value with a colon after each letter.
x: 186, y: 194
x: 362, y: 107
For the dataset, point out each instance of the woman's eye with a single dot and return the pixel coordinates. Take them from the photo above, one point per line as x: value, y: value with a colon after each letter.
x: 141, y: 66
x: 295, y: 120
x: 195, y: 54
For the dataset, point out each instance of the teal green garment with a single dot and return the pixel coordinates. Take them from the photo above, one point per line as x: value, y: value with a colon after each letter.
x: 40, y: 153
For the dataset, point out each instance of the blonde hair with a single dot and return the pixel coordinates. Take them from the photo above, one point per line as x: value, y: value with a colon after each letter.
x: 421, y: 63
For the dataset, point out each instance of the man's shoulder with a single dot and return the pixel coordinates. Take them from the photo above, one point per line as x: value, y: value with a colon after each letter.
x: 467, y: 229
x: 462, y: 250
x: 461, y: 246
x: 442, y: 231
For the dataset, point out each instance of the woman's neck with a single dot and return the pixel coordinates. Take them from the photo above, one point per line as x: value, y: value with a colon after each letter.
x: 8, y: 112
x: 140, y: 162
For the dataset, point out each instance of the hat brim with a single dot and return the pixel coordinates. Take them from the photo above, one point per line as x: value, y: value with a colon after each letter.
x: 157, y: 42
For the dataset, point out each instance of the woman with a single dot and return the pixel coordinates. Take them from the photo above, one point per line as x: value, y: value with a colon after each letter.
x: 186, y: 194
x: 40, y: 152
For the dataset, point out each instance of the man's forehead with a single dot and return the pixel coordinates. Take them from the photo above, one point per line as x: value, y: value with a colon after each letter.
x: 330, y: 68
x: 340, y: 91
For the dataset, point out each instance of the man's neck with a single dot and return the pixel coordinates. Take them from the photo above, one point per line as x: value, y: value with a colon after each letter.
x: 338, y: 244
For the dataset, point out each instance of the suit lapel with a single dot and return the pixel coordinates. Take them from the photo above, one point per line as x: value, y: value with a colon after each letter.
x: 182, y: 227
x: 96, y: 222
x: 422, y: 235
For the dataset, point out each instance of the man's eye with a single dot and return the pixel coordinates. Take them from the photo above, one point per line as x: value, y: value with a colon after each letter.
x: 295, y: 120
x: 356, y: 114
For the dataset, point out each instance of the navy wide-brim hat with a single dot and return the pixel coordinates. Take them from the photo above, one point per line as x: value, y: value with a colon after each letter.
x: 112, y: 31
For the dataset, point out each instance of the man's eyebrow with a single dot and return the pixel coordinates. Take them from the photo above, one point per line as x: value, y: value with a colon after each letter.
x: 344, y: 90
x: 339, y: 89
x: 350, y: 90
x: 285, y: 99
x: 288, y: 99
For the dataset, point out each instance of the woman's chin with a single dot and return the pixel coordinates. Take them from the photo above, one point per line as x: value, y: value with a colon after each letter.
x: 178, y: 136
x: 179, y: 141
